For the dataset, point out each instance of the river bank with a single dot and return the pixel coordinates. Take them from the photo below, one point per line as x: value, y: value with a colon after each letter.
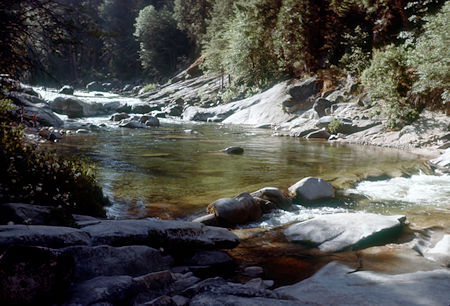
x: 266, y: 247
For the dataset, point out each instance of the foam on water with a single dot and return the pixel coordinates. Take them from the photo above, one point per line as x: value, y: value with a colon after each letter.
x: 297, y: 214
x: 418, y: 189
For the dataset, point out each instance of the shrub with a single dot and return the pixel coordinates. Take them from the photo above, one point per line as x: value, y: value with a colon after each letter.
x: 431, y: 61
x: 388, y: 81
x: 149, y: 87
x: 31, y: 175
x: 334, y: 125
x: 357, y: 57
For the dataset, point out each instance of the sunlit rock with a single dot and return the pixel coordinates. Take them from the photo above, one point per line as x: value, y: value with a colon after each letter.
x: 310, y: 189
x: 338, y: 232
x: 239, y: 210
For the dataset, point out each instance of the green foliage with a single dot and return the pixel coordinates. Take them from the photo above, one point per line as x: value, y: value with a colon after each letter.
x: 191, y: 16
x: 34, y: 176
x: 357, y: 57
x: 430, y: 59
x: 149, y: 87
x: 388, y: 82
x: 161, y: 43
x: 334, y: 125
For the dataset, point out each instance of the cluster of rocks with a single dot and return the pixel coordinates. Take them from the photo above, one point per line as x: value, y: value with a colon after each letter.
x: 136, y: 122
x: 248, y: 207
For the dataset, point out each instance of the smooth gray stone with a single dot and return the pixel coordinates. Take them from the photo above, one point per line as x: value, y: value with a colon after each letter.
x: 334, y: 284
x: 337, y: 232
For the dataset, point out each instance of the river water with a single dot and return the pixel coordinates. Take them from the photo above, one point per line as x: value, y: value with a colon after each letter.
x: 174, y: 171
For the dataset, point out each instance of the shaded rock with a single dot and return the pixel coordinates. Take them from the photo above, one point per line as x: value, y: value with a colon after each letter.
x: 336, y: 284
x: 143, y: 108
x: 320, y: 134
x: 253, y: 271
x: 33, y: 276
x: 161, y: 301
x: 338, y: 232
x: 44, y: 115
x: 210, y: 263
x: 66, y: 90
x: 50, y: 135
x: 301, y: 95
x: 41, y: 235
x: 259, y: 283
x: 183, y: 283
x: 20, y: 213
x: 208, y: 298
x: 273, y: 195
x: 239, y: 210
x: 119, y: 117
x: 218, y: 286
x: 71, y: 107
x: 82, y: 131
x: 174, y: 110
x: 180, y: 300
x: 107, y: 86
x: 94, y: 86
x: 321, y: 105
x: 172, y: 235
x: 83, y: 220
x: 109, y: 289
x: 152, y: 121
x: 233, y: 150
x: 107, y: 261
x: 311, y: 189
x: 133, y: 125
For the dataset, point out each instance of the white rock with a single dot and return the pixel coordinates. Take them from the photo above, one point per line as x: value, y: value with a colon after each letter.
x: 335, y: 285
x: 311, y: 189
x: 337, y: 232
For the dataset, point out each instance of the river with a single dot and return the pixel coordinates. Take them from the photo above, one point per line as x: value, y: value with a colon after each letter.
x: 174, y: 171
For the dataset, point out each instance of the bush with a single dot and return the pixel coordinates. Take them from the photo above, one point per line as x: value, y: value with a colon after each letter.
x: 388, y: 81
x: 334, y: 125
x: 149, y: 87
x: 430, y: 59
x: 34, y: 176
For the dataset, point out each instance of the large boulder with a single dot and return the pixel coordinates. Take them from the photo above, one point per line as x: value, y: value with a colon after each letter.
x: 302, y: 94
x: 443, y: 160
x: 310, y: 189
x: 41, y: 235
x: 174, y: 235
x: 239, y: 210
x: 338, y: 232
x: 119, y: 117
x: 20, y: 213
x: 33, y: 276
x: 43, y: 115
x: 132, y: 125
x: 273, y: 195
x: 72, y: 107
x: 107, y: 261
x: 321, y: 106
x: 339, y: 284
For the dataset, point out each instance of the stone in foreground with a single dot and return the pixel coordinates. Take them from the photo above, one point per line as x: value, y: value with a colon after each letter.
x: 238, y: 210
x: 338, y: 232
x: 172, y: 235
x: 336, y: 285
x: 311, y: 189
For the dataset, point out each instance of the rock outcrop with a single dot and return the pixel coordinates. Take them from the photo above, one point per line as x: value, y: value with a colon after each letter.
x: 311, y: 189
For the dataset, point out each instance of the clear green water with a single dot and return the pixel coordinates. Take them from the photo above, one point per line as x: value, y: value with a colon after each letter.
x: 175, y: 171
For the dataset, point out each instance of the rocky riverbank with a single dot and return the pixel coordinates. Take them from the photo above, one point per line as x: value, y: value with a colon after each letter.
x: 179, y: 263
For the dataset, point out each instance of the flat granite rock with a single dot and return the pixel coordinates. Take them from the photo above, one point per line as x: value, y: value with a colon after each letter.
x: 172, y: 235
x: 338, y: 232
x: 42, y: 235
x: 334, y: 284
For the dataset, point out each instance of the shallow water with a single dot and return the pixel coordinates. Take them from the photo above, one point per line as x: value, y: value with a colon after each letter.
x: 176, y: 170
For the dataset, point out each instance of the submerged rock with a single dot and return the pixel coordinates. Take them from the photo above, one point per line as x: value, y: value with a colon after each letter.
x: 338, y: 232
x: 133, y: 125
x: 233, y: 150
x: 239, y: 210
x: 337, y: 284
x: 311, y: 189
